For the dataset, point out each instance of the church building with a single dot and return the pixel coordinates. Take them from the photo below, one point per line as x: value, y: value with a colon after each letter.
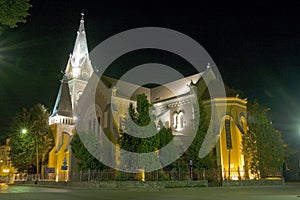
x: 173, y: 107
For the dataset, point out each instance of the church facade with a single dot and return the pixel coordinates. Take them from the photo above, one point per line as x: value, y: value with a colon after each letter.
x: 173, y: 105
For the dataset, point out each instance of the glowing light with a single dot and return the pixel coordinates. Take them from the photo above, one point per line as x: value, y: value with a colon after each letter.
x: 24, y: 131
x: 143, y: 175
x: 56, y: 177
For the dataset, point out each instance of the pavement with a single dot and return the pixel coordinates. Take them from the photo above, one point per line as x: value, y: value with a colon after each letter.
x: 38, y: 192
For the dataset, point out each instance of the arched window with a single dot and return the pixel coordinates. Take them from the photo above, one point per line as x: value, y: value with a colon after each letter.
x: 180, y: 120
x: 228, y: 133
x: 175, y: 118
x: 99, y: 116
x: 78, y: 95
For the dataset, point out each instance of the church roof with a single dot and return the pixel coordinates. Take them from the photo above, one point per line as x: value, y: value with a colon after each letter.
x: 63, y: 105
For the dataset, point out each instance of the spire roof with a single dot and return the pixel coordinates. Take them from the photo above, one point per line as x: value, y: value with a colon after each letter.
x: 63, y: 105
x: 80, y: 50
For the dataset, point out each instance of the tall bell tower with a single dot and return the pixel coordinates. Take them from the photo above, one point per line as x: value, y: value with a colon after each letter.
x: 79, y: 68
x: 62, y: 121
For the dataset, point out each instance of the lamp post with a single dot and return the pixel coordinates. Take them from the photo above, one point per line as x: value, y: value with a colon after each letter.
x: 228, y: 134
x: 24, y: 131
x: 1, y: 162
x: 191, y: 168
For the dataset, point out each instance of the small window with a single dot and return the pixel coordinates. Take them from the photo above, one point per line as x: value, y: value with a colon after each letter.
x: 178, y: 120
x: 175, y: 118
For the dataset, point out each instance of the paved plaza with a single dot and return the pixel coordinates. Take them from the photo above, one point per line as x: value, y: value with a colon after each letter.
x: 28, y: 192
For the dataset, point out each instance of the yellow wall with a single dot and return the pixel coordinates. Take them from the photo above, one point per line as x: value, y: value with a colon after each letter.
x: 235, y: 111
x: 236, y: 156
x: 56, y: 159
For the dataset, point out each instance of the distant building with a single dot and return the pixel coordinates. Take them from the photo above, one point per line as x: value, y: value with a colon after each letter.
x: 291, y: 169
x: 175, y: 110
x: 6, y: 167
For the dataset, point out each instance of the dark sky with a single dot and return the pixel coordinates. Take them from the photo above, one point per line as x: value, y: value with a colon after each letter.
x: 256, y: 47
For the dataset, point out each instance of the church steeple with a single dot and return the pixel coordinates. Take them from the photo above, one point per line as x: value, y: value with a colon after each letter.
x: 80, y: 51
x: 63, y: 105
x: 79, y: 68
x: 80, y: 55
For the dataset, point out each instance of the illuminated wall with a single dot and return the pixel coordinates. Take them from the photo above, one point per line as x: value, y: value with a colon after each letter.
x: 230, y: 155
x: 60, y: 155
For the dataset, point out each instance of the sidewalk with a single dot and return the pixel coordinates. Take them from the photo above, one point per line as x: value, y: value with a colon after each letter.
x: 123, y: 185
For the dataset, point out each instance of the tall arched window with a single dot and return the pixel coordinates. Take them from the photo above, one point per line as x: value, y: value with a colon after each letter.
x: 97, y: 121
x: 180, y: 120
x: 175, y: 118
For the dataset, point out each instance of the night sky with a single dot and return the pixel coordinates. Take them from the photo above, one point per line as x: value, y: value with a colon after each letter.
x: 255, y: 46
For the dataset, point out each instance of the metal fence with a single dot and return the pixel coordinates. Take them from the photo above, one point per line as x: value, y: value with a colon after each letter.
x: 108, y: 175
x: 213, y: 175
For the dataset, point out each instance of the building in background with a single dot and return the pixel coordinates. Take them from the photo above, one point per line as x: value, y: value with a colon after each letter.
x: 6, y: 168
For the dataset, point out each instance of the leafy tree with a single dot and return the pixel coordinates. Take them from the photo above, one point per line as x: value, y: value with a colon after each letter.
x: 13, y: 12
x: 30, y: 136
x: 85, y: 159
x: 263, y: 145
x: 141, y: 122
x: 193, y: 151
x: 143, y: 108
x: 250, y: 153
x: 164, y: 136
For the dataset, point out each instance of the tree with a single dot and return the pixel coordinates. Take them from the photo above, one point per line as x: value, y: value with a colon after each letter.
x: 13, y: 12
x: 30, y: 138
x: 165, y: 136
x: 193, y: 151
x: 85, y: 159
x: 141, y: 122
x: 143, y: 107
x: 263, y: 145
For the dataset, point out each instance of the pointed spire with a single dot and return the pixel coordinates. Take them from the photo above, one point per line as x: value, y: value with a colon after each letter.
x: 63, y: 105
x: 79, y: 60
x: 80, y: 50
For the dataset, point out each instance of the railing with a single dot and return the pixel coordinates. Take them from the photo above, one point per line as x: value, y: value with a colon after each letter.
x: 108, y: 175
x: 212, y: 175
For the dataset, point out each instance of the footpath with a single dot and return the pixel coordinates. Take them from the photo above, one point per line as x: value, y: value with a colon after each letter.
x: 154, y: 185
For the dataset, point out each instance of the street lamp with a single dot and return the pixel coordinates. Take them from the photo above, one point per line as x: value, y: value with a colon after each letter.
x: 24, y: 131
x: 191, y: 168
x: 228, y: 134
